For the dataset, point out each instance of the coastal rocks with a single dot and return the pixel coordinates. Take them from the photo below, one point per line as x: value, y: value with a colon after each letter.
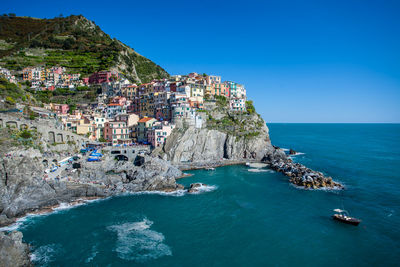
x: 13, y: 252
x: 292, y: 152
x: 195, y: 188
x: 300, y: 175
x: 23, y: 187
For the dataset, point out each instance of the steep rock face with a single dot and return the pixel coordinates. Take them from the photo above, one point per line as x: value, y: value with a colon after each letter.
x: 209, y: 145
x: 13, y: 252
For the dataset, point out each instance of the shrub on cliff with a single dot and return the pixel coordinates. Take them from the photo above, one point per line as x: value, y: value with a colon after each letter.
x: 10, y: 100
x: 250, y: 107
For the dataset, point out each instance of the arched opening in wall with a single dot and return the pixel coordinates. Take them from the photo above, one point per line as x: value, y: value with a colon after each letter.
x: 55, y: 161
x: 23, y: 126
x: 67, y: 137
x: 33, y: 127
x: 45, y: 162
x: 52, y: 137
x: 59, y: 138
x: 12, y: 124
x: 121, y: 158
x: 1, y: 123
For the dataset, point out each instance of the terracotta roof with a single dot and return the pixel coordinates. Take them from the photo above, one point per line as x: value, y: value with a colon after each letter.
x: 145, y: 119
x: 114, y: 104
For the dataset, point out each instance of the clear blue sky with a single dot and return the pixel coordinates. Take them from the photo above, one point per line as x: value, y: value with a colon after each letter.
x: 301, y: 61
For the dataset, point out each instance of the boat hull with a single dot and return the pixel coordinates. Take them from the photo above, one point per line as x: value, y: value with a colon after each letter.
x: 351, y: 221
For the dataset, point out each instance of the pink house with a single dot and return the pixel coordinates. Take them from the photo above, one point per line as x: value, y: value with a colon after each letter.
x: 61, y: 108
x: 85, y: 81
x: 159, y: 133
x: 117, y: 132
x: 102, y: 77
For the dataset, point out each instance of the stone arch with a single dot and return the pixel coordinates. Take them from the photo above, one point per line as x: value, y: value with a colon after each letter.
x: 34, y: 127
x: 52, y: 137
x: 59, y: 138
x: 12, y: 124
x: 23, y: 126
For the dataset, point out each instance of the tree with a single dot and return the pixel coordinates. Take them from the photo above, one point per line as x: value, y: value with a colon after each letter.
x: 250, y: 107
x: 10, y: 100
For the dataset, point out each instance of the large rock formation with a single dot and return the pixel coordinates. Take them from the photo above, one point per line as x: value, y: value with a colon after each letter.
x: 13, y: 252
x: 24, y: 189
x: 213, y: 146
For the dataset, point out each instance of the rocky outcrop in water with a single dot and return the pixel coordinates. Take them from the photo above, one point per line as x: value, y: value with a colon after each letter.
x: 302, y: 176
x: 194, y: 188
x: 13, y: 252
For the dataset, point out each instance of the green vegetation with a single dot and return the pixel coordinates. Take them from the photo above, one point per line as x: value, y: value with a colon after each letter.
x: 221, y: 100
x: 66, y: 96
x: 11, y: 92
x: 72, y: 42
x: 102, y: 139
x: 12, y: 137
x: 241, y: 125
x: 10, y: 100
x: 250, y: 107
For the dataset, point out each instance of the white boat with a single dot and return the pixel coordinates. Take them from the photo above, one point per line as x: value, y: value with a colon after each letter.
x: 210, y: 169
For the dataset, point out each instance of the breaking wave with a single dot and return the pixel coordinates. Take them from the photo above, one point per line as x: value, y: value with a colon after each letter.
x: 137, y: 242
x: 44, y: 255
x: 205, y: 188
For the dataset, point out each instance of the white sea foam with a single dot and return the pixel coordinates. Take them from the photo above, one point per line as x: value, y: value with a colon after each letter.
x: 297, y: 154
x: 260, y: 170
x: 136, y: 241
x: 176, y: 193
x: 205, y: 188
x: 44, y: 255
x: 330, y: 189
x: 92, y: 255
x: 62, y: 206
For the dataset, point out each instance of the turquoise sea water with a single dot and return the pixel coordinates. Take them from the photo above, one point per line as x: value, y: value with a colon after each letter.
x: 247, y: 218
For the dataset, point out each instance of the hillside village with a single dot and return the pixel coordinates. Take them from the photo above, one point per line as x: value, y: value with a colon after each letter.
x: 125, y: 113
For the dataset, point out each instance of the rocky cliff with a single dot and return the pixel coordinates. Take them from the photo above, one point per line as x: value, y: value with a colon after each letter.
x: 227, y: 136
x: 24, y: 187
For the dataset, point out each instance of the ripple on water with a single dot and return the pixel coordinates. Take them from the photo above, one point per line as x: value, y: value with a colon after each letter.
x: 137, y: 242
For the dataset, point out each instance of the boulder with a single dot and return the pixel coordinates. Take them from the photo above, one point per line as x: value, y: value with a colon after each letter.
x: 13, y: 252
x: 194, y: 188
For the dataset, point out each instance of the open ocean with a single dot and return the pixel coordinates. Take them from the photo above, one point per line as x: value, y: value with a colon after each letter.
x: 246, y: 218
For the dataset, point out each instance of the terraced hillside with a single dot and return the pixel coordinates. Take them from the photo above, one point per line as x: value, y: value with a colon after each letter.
x: 73, y: 42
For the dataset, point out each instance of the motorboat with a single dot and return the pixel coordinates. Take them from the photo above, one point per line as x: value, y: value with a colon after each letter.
x: 343, y: 216
x: 210, y: 169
